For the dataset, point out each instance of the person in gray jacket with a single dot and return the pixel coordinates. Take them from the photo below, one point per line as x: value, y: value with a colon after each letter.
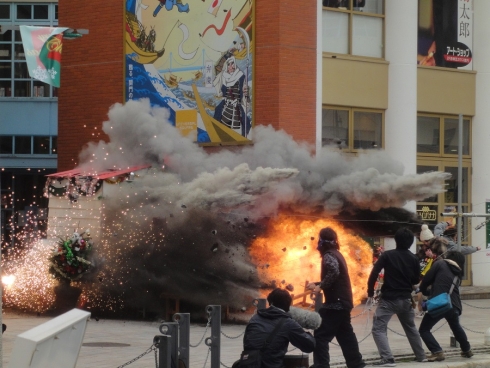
x: 449, y: 232
x: 440, y: 278
x: 263, y: 323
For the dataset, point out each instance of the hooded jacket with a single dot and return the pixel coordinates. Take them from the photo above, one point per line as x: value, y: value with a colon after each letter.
x: 262, y: 324
x: 441, y: 277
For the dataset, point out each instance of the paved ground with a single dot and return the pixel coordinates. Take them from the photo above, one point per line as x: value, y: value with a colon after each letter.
x: 125, y: 340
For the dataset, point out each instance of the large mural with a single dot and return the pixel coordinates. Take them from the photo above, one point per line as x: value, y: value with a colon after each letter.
x: 194, y: 57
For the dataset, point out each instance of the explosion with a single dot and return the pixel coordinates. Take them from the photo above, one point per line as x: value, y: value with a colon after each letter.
x: 287, y: 254
x: 221, y: 226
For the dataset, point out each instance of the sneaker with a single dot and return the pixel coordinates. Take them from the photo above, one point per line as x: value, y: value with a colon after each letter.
x: 436, y: 357
x: 385, y: 363
x: 467, y: 354
x: 425, y: 360
x: 420, y: 314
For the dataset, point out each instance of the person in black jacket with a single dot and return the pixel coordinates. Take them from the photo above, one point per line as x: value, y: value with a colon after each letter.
x: 441, y: 277
x: 401, y: 273
x: 335, y: 311
x: 263, y: 323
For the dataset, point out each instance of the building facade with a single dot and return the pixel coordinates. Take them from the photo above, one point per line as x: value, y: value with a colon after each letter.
x: 28, y: 125
x: 353, y: 74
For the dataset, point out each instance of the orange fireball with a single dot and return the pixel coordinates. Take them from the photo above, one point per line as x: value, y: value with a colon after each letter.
x: 287, y: 254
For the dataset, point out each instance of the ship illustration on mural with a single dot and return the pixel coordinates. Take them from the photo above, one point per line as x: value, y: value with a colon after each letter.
x: 141, y: 43
x: 172, y: 81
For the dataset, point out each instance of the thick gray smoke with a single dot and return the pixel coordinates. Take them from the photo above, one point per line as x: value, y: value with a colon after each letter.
x: 182, y: 227
x: 276, y: 169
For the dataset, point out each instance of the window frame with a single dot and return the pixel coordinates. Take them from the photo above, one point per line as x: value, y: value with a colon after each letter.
x: 11, y: 86
x: 51, y: 150
x: 351, y: 14
x: 442, y: 124
x: 349, y: 147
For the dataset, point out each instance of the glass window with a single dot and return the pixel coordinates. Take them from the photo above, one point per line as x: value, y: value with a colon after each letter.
x: 352, y: 129
x: 15, y: 80
x: 6, y: 37
x: 19, y: 52
x: 367, y: 36
x: 54, y: 145
x: 24, y: 12
x: 20, y: 70
x: 22, y: 88
x: 335, y: 32
x: 428, y: 134
x: 23, y: 145
x: 4, y: 11
x: 41, y: 12
x: 367, y: 130
x: 353, y: 27
x: 451, y: 194
x: 6, y: 144
x: 5, y: 49
x: 451, y: 136
x: 335, y: 127
x: 41, y: 145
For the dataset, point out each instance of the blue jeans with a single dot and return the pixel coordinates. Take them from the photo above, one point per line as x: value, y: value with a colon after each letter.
x: 452, y: 318
x: 404, y: 311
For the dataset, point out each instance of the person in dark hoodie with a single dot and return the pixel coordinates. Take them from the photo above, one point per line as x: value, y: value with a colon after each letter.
x: 440, y: 278
x: 335, y: 311
x: 401, y: 273
x: 263, y: 323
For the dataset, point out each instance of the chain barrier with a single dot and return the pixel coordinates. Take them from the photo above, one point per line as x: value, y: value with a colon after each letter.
x: 232, y: 337
x: 207, y: 356
x: 473, y: 306
x: 204, y: 334
x: 466, y: 328
x: 153, y: 347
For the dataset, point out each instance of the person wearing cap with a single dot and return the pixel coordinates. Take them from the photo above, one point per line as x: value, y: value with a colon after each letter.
x: 449, y: 232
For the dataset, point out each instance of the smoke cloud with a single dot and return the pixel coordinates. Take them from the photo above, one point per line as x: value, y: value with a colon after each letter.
x: 183, y: 226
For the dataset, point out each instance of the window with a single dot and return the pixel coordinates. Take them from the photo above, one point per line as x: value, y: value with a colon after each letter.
x: 353, y: 27
x: 14, y: 76
x: 5, y: 11
x: 352, y: 129
x: 439, y: 135
x: 28, y: 145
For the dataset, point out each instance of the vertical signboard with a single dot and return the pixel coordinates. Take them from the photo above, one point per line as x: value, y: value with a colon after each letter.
x: 445, y: 33
x: 194, y: 58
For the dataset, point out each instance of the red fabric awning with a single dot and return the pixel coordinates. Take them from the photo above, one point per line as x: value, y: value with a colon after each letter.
x: 102, y: 175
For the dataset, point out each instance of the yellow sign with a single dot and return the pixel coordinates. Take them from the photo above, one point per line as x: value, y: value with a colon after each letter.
x: 426, y: 214
x: 186, y: 123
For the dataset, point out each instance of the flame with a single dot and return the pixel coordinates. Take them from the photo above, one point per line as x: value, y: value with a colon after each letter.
x: 287, y: 255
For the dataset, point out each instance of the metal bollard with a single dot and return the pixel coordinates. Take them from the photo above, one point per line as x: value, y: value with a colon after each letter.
x: 214, y: 342
x: 163, y: 344
x: 171, y: 329
x: 184, y: 321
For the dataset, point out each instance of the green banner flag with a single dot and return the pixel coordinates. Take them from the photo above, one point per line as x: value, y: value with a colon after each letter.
x: 42, y: 47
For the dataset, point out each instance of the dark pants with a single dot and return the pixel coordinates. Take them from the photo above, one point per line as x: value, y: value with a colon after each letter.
x: 452, y: 318
x: 336, y: 323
